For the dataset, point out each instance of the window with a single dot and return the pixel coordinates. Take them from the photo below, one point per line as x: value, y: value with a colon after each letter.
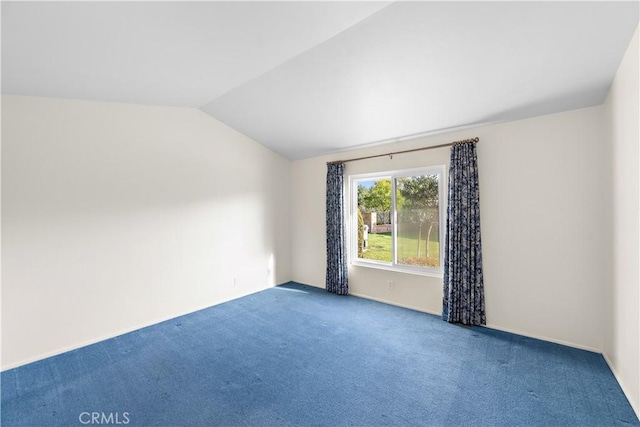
x: 398, y: 220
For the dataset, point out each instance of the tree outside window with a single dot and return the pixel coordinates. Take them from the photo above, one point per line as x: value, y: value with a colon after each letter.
x: 411, y: 203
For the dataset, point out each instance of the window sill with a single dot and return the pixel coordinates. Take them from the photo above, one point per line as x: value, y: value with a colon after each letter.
x: 407, y: 270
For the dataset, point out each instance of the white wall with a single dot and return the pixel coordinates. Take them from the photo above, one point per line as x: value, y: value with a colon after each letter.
x: 119, y: 216
x: 544, y: 183
x: 622, y: 334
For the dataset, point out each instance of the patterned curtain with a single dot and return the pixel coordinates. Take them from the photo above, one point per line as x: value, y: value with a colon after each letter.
x: 337, y: 269
x: 463, y: 300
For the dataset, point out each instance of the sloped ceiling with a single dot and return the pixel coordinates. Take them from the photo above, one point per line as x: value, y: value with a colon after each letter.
x: 309, y: 78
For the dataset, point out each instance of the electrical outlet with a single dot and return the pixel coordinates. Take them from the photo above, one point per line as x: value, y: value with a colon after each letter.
x: 391, y: 284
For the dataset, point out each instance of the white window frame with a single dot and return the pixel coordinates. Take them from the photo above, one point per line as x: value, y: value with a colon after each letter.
x: 440, y: 170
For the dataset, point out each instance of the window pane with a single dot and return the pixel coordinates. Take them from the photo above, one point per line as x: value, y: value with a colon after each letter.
x: 374, y: 206
x: 418, y: 218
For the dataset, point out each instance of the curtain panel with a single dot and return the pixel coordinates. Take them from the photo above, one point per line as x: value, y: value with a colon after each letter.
x: 463, y: 300
x: 337, y: 268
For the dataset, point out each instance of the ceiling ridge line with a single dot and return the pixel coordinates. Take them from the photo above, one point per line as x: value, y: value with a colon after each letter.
x: 390, y: 3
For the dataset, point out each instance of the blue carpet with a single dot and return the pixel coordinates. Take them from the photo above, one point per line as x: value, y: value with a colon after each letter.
x: 297, y: 355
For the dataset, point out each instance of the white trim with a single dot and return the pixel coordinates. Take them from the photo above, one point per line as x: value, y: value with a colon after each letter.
x: 384, y: 301
x: 351, y: 215
x: 393, y: 218
x: 543, y: 338
x: 635, y: 408
x: 408, y: 269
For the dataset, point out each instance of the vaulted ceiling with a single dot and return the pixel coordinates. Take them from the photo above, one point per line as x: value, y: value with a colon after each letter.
x: 309, y: 78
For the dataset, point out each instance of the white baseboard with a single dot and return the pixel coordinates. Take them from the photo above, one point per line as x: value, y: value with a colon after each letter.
x: 384, y: 301
x: 543, y: 338
x: 634, y: 405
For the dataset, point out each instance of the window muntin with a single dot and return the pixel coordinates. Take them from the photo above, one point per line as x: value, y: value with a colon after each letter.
x: 403, y: 211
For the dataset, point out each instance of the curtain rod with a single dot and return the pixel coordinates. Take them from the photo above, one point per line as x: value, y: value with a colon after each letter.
x: 476, y: 139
